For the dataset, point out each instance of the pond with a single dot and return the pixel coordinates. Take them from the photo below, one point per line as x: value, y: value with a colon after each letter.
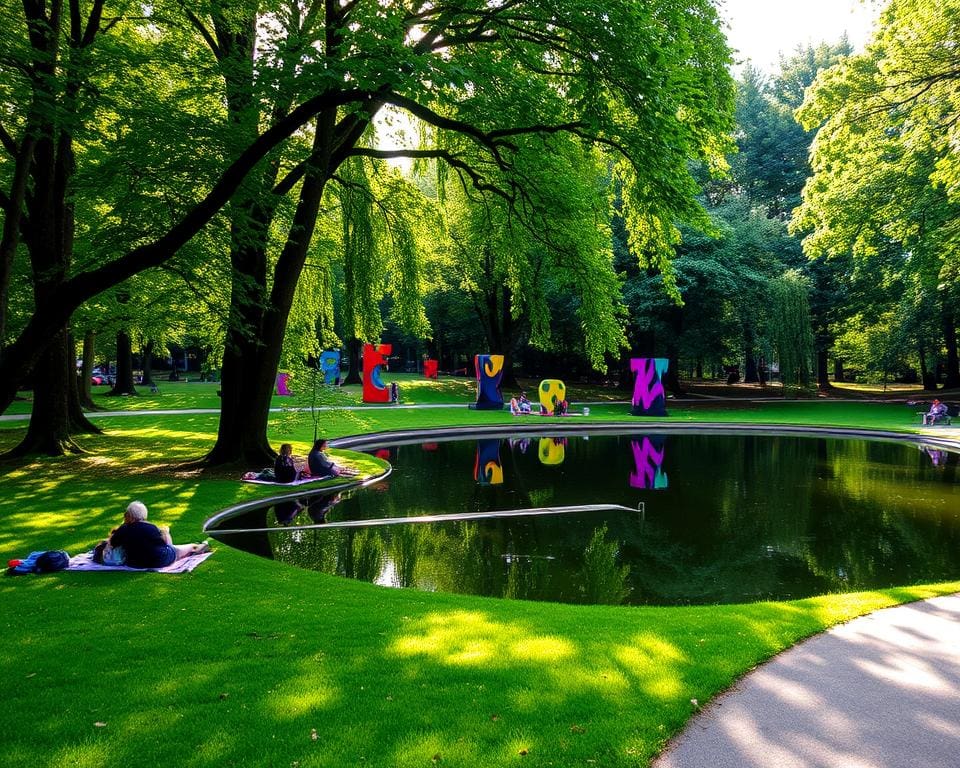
x: 669, y: 519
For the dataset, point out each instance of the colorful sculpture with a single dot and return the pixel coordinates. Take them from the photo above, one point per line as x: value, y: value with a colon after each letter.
x: 552, y: 450
x: 283, y: 380
x: 330, y: 365
x: 489, y: 370
x: 649, y: 398
x: 430, y: 369
x: 551, y: 391
x: 374, y: 357
x: 487, y: 470
x: 647, y: 458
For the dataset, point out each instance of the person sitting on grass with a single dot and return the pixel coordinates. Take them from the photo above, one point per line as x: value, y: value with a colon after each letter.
x: 286, y: 469
x: 147, y: 546
x: 937, y: 412
x: 524, y: 402
x: 322, y: 466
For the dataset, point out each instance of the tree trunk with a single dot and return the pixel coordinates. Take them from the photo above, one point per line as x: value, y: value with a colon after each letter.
x: 147, y: 353
x: 248, y: 379
x: 84, y: 392
x: 353, y: 362
x: 927, y: 376
x: 672, y: 384
x: 246, y: 389
x: 49, y: 429
x: 123, y: 383
x: 509, y: 379
x: 838, y: 369
x: 823, y: 371
x: 750, y: 373
x: 77, y: 419
x: 952, y: 380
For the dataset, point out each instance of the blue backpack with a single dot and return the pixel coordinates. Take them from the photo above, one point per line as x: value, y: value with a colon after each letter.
x: 42, y: 562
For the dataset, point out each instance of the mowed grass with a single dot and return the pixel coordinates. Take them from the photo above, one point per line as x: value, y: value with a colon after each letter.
x: 250, y: 662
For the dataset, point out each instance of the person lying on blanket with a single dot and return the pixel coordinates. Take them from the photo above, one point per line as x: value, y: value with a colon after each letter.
x: 146, y: 545
x: 322, y: 466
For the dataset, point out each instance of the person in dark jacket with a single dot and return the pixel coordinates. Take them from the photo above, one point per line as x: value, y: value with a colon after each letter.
x: 322, y: 466
x: 285, y: 468
x: 147, y: 546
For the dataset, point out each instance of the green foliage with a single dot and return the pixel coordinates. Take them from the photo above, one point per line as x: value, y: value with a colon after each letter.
x: 882, y: 159
x: 511, y: 260
x: 602, y: 581
x: 789, y: 326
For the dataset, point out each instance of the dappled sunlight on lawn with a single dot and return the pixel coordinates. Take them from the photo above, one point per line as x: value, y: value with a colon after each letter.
x: 471, y: 638
x: 303, y: 693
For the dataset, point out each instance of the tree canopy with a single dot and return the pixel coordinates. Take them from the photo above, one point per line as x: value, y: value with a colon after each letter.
x: 645, y: 84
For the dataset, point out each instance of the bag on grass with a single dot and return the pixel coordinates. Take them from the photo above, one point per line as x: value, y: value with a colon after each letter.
x: 42, y: 562
x: 54, y: 560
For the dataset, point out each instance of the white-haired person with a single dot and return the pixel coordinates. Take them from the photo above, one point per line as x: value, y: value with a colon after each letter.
x: 147, y: 546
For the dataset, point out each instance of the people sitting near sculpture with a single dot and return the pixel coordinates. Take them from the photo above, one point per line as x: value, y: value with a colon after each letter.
x: 937, y: 413
x: 286, y: 468
x: 322, y: 466
x: 520, y: 406
x: 559, y: 407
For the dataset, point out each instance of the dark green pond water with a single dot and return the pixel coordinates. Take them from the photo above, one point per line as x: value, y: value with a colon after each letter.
x: 689, y: 519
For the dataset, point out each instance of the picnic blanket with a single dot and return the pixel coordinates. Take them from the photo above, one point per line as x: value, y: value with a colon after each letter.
x: 301, y: 481
x: 84, y: 562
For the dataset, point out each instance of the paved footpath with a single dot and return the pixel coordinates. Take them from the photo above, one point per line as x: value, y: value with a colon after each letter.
x: 882, y: 691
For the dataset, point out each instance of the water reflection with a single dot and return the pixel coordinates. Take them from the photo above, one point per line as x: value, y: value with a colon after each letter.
x: 743, y: 518
x: 317, y: 507
x: 487, y: 469
x: 648, y: 456
x: 552, y: 450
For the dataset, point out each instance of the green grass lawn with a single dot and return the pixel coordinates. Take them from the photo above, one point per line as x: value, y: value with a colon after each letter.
x: 251, y: 662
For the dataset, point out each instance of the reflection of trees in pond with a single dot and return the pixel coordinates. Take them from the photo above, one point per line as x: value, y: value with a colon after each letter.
x: 318, y: 550
x: 602, y: 581
x: 528, y: 578
x: 455, y: 558
x: 403, y: 548
x: 368, y: 552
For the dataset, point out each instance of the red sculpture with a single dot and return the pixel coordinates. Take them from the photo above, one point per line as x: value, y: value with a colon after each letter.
x: 375, y: 356
x: 430, y: 369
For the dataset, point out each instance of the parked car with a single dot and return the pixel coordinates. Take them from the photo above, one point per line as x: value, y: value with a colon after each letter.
x: 98, y: 376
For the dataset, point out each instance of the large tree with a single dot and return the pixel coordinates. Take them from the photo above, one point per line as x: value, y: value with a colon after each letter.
x: 648, y: 83
x: 885, y: 169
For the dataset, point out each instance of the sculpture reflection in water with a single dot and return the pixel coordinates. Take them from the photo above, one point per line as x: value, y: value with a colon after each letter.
x: 487, y: 469
x: 552, y: 450
x: 648, y: 456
